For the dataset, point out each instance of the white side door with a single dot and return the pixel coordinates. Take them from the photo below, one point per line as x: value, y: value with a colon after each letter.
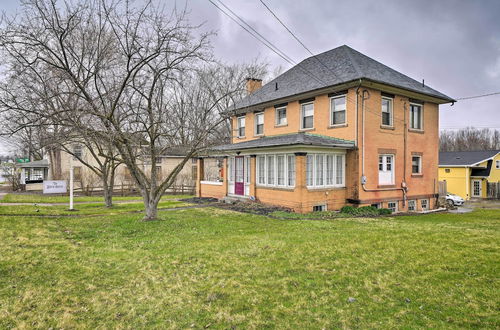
x: 386, y: 169
x: 476, y: 188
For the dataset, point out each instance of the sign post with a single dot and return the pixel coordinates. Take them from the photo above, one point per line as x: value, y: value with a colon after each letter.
x: 71, y: 170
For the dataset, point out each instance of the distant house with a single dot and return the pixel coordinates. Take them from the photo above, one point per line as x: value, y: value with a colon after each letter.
x: 468, y: 173
x: 337, y: 129
x: 33, y: 173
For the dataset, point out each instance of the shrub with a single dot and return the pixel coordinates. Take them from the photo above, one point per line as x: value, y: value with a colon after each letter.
x: 364, y: 211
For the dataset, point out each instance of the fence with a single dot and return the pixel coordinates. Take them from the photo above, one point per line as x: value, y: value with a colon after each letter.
x: 129, y: 188
x: 442, y: 189
x: 493, y: 190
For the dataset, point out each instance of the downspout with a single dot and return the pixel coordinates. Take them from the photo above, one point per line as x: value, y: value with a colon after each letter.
x: 363, y: 177
x: 357, y: 115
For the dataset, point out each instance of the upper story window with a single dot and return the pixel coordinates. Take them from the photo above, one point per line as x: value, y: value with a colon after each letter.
x: 281, y: 116
x: 416, y: 116
x: 338, y: 110
x: 387, y: 112
x: 77, y: 151
x: 259, y: 123
x: 241, y: 126
x: 307, y: 115
x: 416, y: 164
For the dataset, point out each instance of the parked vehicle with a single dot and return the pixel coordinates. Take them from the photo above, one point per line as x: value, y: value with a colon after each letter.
x: 454, y: 200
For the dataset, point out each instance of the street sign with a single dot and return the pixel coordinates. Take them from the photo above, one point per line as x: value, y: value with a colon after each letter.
x: 54, y: 187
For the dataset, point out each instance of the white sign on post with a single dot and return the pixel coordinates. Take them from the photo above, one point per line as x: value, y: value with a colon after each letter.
x: 54, y: 187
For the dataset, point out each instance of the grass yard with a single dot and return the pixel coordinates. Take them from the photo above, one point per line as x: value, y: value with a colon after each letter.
x: 212, y: 268
x: 38, y: 198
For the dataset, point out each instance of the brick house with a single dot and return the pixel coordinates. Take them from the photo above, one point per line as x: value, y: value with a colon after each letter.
x: 337, y: 129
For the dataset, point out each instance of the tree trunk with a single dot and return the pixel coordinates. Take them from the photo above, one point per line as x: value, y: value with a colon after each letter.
x: 107, y: 190
x: 151, y: 208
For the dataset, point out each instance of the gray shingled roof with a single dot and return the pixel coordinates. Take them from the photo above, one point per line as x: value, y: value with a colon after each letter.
x: 463, y: 158
x: 339, y: 65
x: 287, y: 140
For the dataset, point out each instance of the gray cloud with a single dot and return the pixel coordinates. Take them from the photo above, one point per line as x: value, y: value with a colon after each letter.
x: 454, y: 45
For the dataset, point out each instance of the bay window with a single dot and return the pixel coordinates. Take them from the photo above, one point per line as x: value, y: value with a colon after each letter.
x: 276, y: 170
x: 325, y: 170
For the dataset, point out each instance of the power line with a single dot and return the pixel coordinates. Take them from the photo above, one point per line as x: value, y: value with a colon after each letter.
x: 297, y: 38
x: 477, y: 96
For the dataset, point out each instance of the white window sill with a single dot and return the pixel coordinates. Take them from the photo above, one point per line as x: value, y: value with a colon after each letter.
x: 337, y: 125
x: 281, y: 125
x: 324, y: 187
x: 307, y: 129
x: 213, y: 183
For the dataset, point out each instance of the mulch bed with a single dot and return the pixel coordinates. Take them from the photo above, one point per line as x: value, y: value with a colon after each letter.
x: 245, y: 207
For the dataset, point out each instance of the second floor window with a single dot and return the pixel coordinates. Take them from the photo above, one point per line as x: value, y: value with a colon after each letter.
x: 77, y: 151
x: 281, y: 116
x: 307, y: 116
x: 416, y: 164
x: 259, y: 123
x: 415, y: 116
x: 241, y: 127
x: 338, y: 110
x: 386, y: 111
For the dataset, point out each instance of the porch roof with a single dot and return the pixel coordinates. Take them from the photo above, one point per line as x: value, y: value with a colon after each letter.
x: 301, y: 138
x: 35, y: 163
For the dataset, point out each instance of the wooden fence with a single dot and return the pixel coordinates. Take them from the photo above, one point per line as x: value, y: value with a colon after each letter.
x: 493, y: 190
x: 442, y: 189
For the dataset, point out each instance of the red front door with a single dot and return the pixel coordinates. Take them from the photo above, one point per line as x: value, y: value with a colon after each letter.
x: 239, y: 169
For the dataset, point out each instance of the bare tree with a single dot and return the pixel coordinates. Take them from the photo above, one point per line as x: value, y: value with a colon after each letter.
x: 469, y: 139
x: 129, y: 68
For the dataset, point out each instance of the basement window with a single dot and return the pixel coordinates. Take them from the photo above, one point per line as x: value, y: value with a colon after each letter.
x: 424, y: 203
x: 393, y: 206
x: 319, y: 208
x: 412, y: 206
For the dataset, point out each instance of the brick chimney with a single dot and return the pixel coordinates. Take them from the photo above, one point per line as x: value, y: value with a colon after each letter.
x: 253, y: 84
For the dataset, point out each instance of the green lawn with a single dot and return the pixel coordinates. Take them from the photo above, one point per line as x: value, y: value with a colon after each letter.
x: 214, y: 268
x: 36, y: 198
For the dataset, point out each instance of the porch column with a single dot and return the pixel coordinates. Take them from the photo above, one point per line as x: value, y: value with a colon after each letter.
x: 199, y: 175
x: 253, y: 175
x: 300, y: 179
x: 225, y: 175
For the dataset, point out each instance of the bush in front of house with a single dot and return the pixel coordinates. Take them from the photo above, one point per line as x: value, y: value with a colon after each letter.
x: 364, y: 211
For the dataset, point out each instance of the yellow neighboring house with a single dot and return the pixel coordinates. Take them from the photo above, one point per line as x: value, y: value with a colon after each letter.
x: 468, y: 173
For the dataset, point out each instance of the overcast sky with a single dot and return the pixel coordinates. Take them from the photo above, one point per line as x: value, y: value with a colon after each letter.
x: 453, y: 45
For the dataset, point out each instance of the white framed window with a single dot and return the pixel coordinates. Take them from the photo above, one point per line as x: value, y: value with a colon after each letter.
x: 386, y: 169
x: 412, y: 205
x: 261, y: 170
x: 241, y: 126
x: 416, y: 116
x: 270, y: 169
x: 497, y: 164
x: 280, y: 166
x: 259, y: 123
x: 319, y: 208
x: 387, y: 112
x: 276, y: 170
x: 37, y: 174
x: 338, y: 110
x: 416, y: 164
x: 307, y: 115
x: 291, y: 171
x: 393, y: 206
x: 325, y: 170
x: 280, y: 116
x: 424, y: 204
x: 247, y: 169
x: 230, y: 169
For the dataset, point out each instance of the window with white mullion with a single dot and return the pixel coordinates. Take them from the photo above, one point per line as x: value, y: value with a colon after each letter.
x: 280, y: 167
x: 325, y: 170
x: 261, y: 170
x: 329, y: 169
x: 290, y: 168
